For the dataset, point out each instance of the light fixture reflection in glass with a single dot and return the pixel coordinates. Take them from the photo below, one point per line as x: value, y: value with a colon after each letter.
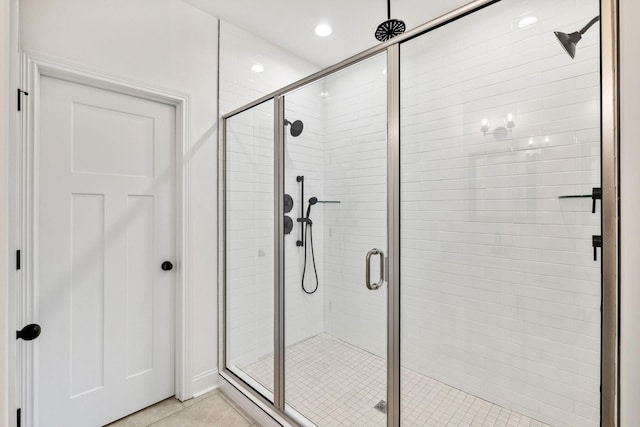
x: 323, y: 30
x: 324, y: 94
x: 525, y: 22
x: 257, y: 68
x: 485, y: 126
x: 500, y: 131
x: 509, y: 121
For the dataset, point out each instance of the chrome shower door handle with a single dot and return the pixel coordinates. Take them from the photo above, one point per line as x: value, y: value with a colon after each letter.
x: 380, y: 282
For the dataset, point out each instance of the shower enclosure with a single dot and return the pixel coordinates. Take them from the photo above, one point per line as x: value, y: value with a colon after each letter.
x: 425, y: 234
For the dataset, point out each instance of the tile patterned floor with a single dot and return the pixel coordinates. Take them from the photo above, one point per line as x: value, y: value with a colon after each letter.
x: 213, y: 409
x: 333, y: 383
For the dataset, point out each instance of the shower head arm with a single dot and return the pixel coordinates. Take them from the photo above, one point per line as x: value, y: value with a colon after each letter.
x: 590, y: 24
x: 388, y: 9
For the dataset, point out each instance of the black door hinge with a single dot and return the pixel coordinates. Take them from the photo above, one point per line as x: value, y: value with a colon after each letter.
x: 18, y: 417
x: 18, y: 260
x: 20, y: 92
x: 596, y: 242
x: 595, y: 195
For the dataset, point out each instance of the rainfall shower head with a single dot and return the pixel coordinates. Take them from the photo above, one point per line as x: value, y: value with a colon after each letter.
x: 296, y: 127
x: 569, y: 41
x: 389, y: 28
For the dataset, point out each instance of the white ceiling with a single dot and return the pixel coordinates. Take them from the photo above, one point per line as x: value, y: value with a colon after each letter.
x: 290, y: 23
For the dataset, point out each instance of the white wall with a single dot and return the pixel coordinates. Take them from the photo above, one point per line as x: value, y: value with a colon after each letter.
x: 239, y: 51
x: 172, y: 45
x: 629, y: 208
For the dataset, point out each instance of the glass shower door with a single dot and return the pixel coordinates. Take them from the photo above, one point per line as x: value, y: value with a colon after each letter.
x: 249, y: 232
x: 335, y: 173
x: 500, y: 159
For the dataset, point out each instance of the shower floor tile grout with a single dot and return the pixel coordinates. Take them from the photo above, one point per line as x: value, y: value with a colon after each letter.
x: 333, y: 383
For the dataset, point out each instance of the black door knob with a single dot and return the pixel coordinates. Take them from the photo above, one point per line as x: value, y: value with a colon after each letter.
x: 166, y: 266
x: 29, y: 332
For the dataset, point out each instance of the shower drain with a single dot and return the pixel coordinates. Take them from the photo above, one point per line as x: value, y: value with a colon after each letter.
x: 381, y: 406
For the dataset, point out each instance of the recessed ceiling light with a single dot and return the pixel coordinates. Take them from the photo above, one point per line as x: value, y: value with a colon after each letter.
x: 257, y: 68
x: 324, y: 94
x: 525, y: 22
x: 323, y: 30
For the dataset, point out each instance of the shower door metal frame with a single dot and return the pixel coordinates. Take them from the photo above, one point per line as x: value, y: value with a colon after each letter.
x: 609, y: 405
x: 393, y: 235
x: 278, y: 270
x: 610, y: 214
x: 274, y: 409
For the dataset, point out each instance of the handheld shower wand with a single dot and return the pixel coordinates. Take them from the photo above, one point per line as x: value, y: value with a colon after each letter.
x: 308, y: 238
x: 307, y: 241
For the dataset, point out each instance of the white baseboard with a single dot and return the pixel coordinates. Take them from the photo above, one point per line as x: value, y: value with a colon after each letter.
x: 204, y: 383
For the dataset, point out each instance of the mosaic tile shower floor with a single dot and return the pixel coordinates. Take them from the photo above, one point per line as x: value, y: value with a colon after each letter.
x: 333, y: 383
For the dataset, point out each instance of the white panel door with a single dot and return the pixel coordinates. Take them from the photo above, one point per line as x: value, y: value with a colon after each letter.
x: 106, y: 223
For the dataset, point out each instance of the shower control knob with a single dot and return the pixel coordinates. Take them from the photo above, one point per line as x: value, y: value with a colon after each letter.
x: 167, y: 266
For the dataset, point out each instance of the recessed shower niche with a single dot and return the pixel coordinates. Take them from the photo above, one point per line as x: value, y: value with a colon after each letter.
x: 451, y: 280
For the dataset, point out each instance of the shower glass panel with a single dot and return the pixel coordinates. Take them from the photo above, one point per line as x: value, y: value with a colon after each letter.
x: 335, y: 326
x: 500, y: 153
x: 250, y: 245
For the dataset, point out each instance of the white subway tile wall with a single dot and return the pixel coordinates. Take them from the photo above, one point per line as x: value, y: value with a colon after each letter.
x: 303, y: 156
x: 500, y: 293
x: 355, y: 173
x: 250, y: 193
x: 250, y: 254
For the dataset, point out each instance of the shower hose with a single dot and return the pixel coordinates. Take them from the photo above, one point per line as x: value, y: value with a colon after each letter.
x: 308, y: 238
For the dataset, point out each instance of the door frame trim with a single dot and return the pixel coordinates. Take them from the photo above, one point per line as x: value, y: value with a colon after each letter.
x: 33, y: 68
